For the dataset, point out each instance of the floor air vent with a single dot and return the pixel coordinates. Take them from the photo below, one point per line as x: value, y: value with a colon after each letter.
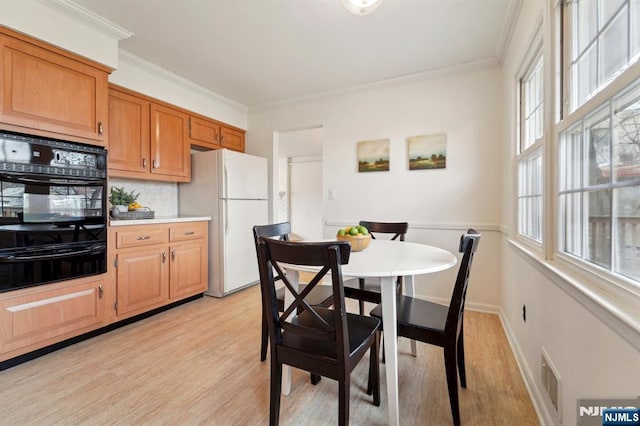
x: 551, y: 382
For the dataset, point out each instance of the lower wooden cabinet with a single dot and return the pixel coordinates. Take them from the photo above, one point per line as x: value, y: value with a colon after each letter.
x: 150, y: 266
x: 158, y: 264
x: 36, y: 317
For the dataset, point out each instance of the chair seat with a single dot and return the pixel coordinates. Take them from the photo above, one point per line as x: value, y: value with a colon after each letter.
x: 321, y: 295
x: 361, y: 329
x: 418, y: 318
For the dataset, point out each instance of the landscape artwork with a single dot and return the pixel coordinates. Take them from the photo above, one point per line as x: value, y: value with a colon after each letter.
x: 428, y: 151
x: 373, y: 156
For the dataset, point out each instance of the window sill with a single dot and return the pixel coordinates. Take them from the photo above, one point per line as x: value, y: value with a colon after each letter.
x: 616, y: 305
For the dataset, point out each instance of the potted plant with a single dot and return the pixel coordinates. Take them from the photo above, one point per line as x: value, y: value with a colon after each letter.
x: 120, y: 198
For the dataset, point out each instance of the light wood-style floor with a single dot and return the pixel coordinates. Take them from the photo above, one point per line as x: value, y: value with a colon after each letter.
x: 199, y: 364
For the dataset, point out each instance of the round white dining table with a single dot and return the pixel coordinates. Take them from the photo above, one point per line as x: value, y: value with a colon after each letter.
x: 386, y: 260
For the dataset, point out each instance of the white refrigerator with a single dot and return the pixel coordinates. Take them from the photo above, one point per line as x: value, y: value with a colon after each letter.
x: 232, y: 188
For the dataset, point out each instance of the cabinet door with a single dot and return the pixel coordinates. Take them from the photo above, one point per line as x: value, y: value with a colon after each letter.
x: 40, y: 318
x: 44, y: 90
x: 169, y: 146
x: 142, y: 280
x: 128, y: 133
x: 188, y: 270
x: 204, y: 133
x: 232, y: 139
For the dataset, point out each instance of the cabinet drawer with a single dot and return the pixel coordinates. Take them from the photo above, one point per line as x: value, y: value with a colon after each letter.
x: 141, y: 237
x: 40, y: 318
x: 187, y: 231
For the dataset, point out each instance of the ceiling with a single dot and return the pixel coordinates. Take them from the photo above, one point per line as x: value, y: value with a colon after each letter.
x: 264, y: 52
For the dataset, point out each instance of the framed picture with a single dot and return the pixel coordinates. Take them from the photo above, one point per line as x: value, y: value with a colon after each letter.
x: 373, y: 156
x: 428, y: 151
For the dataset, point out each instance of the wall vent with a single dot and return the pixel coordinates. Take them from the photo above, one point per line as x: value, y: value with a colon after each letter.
x: 551, y: 382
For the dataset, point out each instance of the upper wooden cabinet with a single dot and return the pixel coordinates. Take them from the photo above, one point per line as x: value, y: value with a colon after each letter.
x: 170, y: 150
x: 207, y: 133
x: 48, y: 91
x: 129, y: 146
x: 147, y: 139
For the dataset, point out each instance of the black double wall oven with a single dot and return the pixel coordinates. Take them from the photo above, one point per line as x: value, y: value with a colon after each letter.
x: 52, y: 210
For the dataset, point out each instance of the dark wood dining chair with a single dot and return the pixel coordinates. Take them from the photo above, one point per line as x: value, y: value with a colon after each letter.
x: 324, y: 341
x: 440, y: 325
x: 319, y: 296
x: 368, y: 289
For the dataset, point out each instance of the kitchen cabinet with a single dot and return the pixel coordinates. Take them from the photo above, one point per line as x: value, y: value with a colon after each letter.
x: 158, y: 264
x: 129, y: 142
x: 148, y: 139
x: 50, y: 92
x: 36, y: 317
x: 207, y: 133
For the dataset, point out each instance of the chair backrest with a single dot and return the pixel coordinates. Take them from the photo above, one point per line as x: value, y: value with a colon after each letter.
x: 399, y: 229
x: 468, y: 245
x: 328, y: 325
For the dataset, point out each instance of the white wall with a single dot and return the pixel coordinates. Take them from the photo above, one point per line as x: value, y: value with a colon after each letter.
x: 438, y: 204
x: 585, y: 344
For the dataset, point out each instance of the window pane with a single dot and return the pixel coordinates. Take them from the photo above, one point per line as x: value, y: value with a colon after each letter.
x: 626, y: 143
x: 571, y: 159
x: 530, y: 196
x: 571, y: 223
x: 586, y: 23
x: 532, y: 105
x: 614, y: 47
x: 599, y: 228
x: 634, y: 10
x: 608, y: 8
x: 599, y: 147
x: 627, y: 232
x: 587, y: 75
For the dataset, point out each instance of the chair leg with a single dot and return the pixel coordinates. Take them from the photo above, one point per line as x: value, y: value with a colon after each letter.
x: 373, y: 385
x: 265, y: 337
x: 343, y: 412
x: 276, y: 389
x: 361, y: 305
x: 315, y: 379
x: 460, y: 352
x: 452, y: 382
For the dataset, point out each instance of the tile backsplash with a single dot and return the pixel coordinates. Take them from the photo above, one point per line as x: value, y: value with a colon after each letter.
x: 161, y: 197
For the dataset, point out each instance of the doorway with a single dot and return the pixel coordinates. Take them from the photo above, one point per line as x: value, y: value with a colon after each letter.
x: 299, y: 181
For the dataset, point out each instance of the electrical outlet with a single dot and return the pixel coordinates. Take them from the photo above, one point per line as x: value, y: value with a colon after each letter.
x: 524, y: 313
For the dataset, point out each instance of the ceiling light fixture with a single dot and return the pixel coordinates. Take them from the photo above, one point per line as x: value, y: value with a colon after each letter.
x: 361, y: 7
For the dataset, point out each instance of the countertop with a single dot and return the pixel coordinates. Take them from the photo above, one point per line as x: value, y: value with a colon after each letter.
x: 165, y: 219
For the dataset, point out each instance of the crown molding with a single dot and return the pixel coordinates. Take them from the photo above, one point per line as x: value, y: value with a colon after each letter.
x: 489, y: 63
x: 87, y: 17
x: 150, y: 67
x: 508, y: 29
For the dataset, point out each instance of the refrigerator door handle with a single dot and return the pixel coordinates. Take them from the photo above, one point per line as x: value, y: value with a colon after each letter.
x: 226, y: 218
x: 225, y: 194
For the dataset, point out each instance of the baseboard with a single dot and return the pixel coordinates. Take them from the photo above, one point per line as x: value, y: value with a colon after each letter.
x: 537, y: 398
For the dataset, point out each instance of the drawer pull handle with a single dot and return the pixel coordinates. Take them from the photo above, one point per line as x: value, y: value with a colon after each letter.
x: 100, y: 128
x: 164, y: 256
x: 189, y: 233
x: 173, y: 255
x: 100, y: 291
x: 144, y: 162
x: 144, y: 237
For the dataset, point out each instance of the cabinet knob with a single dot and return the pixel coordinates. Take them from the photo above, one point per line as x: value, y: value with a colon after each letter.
x: 100, y: 291
x: 155, y: 164
x: 173, y: 254
x: 144, y: 162
x: 100, y: 128
x: 164, y: 256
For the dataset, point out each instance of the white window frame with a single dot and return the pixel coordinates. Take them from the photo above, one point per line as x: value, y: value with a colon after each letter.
x: 601, y: 283
x: 527, y: 192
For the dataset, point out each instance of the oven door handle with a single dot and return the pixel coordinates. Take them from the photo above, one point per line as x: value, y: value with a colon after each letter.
x: 63, y: 253
x: 56, y: 180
